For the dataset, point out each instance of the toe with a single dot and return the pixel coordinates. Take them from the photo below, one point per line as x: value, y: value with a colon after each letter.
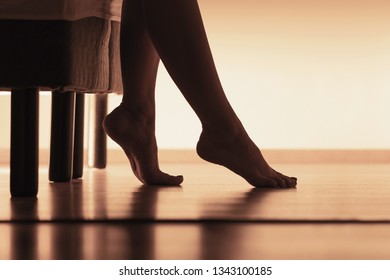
x: 164, y: 179
x: 293, y: 182
x: 281, y: 182
x: 290, y: 182
x: 175, y: 180
x: 264, y: 182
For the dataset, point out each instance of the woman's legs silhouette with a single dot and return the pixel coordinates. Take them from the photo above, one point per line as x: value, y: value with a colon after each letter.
x: 132, y: 124
x: 173, y: 31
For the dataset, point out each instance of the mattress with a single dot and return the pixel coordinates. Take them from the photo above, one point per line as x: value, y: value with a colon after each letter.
x: 60, y: 9
x: 80, y: 55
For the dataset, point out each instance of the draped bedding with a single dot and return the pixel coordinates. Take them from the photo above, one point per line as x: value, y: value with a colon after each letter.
x: 67, y: 45
x: 60, y: 9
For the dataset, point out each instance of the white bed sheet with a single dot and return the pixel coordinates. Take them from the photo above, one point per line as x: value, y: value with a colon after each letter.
x: 60, y: 9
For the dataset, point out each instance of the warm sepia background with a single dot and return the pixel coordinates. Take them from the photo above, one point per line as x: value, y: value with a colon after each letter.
x: 300, y: 74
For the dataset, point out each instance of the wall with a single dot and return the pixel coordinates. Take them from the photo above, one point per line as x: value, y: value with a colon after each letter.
x: 300, y: 74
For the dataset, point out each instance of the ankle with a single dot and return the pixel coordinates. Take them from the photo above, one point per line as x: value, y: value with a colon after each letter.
x: 139, y: 114
x: 224, y: 129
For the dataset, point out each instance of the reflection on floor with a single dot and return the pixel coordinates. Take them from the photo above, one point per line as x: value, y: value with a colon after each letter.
x: 337, y: 212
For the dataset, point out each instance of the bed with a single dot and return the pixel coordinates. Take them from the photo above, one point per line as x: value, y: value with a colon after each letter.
x: 67, y: 47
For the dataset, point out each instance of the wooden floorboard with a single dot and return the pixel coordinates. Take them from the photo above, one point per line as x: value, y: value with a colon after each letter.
x: 338, y: 193
x: 194, y: 241
x: 337, y: 211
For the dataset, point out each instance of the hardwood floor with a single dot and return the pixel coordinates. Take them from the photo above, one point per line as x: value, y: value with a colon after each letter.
x: 338, y: 211
x: 129, y: 240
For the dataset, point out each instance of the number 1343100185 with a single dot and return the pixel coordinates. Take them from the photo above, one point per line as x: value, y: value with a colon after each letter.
x: 242, y: 271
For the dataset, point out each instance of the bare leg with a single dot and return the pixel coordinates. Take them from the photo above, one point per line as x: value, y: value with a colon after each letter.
x: 177, y: 32
x: 132, y: 124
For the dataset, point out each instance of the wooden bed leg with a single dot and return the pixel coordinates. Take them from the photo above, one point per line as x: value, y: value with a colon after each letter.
x: 24, y: 142
x: 62, y: 133
x: 97, y: 139
x: 78, y: 156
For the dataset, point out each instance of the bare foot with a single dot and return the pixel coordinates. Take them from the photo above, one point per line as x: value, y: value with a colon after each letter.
x: 239, y: 154
x: 135, y: 134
